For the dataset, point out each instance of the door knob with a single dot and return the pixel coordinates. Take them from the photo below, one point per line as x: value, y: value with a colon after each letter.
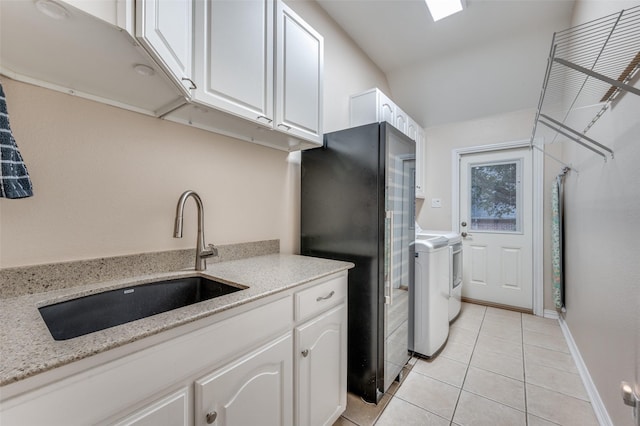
x: 465, y: 235
x: 464, y: 224
x: 211, y: 417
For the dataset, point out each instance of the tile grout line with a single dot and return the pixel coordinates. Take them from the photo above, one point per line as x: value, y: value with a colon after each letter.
x: 475, y: 343
x: 524, y: 374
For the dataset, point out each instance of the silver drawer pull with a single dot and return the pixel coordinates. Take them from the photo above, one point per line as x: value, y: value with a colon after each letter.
x: 329, y: 296
x: 193, y: 85
x: 211, y: 417
x: 262, y: 117
x: 305, y: 353
x: 287, y: 128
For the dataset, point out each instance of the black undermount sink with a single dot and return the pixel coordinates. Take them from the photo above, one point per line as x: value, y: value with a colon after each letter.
x: 95, y: 312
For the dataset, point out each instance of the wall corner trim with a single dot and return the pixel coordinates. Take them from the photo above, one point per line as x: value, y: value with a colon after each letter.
x: 596, y: 402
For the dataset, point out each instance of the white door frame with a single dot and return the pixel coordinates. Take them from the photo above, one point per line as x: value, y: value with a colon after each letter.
x: 538, y: 208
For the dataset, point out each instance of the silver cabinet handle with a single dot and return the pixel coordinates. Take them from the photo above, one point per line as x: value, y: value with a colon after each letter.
x: 193, y: 85
x: 262, y: 117
x: 211, y: 417
x: 328, y: 296
x: 287, y: 128
x: 305, y: 353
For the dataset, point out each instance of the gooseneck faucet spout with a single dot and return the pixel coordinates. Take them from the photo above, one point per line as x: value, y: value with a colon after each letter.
x: 201, y: 252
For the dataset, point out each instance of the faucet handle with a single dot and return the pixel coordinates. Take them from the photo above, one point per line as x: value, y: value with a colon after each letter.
x: 209, y: 251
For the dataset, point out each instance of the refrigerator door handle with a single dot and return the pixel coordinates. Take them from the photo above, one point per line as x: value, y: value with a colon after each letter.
x: 388, y: 297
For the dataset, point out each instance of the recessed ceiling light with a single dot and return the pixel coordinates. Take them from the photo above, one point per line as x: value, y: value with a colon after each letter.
x: 442, y: 8
x: 52, y: 9
x: 144, y: 70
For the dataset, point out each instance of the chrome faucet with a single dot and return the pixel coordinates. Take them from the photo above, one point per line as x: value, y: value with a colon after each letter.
x: 201, y: 252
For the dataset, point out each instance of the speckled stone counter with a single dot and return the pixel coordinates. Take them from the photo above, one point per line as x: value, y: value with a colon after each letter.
x: 27, y: 348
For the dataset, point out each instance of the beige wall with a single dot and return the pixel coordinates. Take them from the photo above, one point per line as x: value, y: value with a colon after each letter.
x: 107, y: 180
x: 442, y: 140
x: 602, y: 234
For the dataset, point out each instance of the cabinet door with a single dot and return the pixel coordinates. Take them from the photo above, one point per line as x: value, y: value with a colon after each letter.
x: 172, y: 410
x: 257, y: 389
x: 321, y: 380
x: 164, y: 27
x: 401, y: 120
x: 234, y: 57
x: 412, y: 129
x: 299, y: 68
x: 387, y: 109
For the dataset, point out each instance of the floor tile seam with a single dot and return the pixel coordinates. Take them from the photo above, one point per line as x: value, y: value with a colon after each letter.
x: 540, y: 417
x: 560, y: 393
x: 503, y: 334
x: 549, y: 388
x: 482, y: 337
x: 533, y: 362
x: 497, y: 402
x: 423, y: 409
x: 496, y: 372
x: 546, y: 347
x: 548, y: 330
x: 466, y: 372
x: 440, y: 380
x: 494, y: 352
x: 524, y: 374
x: 524, y: 344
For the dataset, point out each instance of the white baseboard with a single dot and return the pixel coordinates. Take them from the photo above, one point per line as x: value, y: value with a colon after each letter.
x: 549, y: 313
x: 590, y: 387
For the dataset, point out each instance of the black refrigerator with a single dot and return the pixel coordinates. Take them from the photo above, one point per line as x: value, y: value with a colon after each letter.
x: 358, y: 205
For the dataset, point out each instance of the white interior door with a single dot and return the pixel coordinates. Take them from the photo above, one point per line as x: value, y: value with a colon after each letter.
x: 496, y: 199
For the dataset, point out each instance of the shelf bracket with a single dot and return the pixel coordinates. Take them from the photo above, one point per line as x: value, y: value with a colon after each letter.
x: 578, y: 134
x: 573, y: 138
x: 611, y: 81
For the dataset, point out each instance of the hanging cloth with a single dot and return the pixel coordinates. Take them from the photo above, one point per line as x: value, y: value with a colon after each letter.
x: 557, y: 237
x: 14, y: 178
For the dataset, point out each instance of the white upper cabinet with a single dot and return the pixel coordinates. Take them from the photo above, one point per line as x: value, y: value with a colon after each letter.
x: 401, y: 121
x: 373, y: 106
x: 165, y: 28
x: 256, y: 60
x: 234, y: 57
x: 299, y: 68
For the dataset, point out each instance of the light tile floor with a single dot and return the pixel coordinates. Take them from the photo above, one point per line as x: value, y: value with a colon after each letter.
x: 498, y: 368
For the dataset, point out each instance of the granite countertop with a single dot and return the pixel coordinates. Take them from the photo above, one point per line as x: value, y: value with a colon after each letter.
x: 27, y: 347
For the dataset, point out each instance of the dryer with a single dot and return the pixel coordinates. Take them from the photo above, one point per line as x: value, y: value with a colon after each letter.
x: 429, y: 297
x: 455, y: 266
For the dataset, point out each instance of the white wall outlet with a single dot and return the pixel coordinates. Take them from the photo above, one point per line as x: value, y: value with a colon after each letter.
x: 436, y: 203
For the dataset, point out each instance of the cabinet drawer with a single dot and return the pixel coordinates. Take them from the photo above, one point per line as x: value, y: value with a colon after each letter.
x: 318, y: 298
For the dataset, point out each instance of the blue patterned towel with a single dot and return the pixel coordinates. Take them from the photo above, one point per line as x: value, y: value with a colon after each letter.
x: 14, y: 178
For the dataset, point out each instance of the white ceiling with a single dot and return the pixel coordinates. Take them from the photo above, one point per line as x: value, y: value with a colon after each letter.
x: 488, y: 59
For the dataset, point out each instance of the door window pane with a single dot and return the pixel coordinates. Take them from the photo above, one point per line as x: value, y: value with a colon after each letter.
x: 495, y: 197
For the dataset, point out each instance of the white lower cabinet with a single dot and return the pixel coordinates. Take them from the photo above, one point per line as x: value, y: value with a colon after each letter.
x: 236, y: 368
x: 321, y: 381
x: 172, y: 410
x: 254, y: 390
